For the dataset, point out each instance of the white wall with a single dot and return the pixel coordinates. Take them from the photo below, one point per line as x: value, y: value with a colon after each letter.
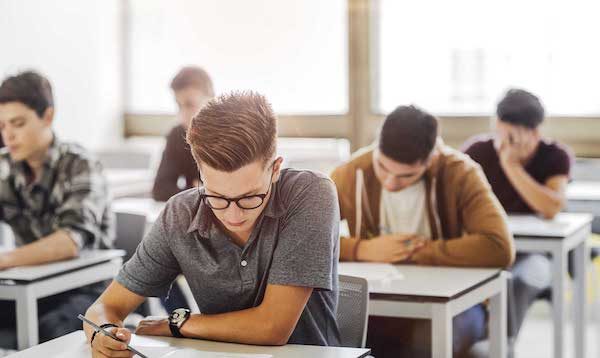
x: 77, y: 44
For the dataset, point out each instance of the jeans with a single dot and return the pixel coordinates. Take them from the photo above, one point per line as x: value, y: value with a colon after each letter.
x: 531, y: 276
x: 174, y: 299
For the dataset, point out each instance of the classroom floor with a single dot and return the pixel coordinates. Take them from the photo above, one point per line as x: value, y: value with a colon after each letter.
x: 535, y: 338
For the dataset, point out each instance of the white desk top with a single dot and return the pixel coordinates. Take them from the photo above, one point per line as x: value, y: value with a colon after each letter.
x: 145, y: 206
x: 124, y: 182
x: 74, y: 346
x: 563, y: 225
x: 435, y: 282
x: 86, y: 258
x: 584, y: 191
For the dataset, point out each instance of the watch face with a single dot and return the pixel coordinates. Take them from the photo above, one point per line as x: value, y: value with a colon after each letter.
x: 178, y: 315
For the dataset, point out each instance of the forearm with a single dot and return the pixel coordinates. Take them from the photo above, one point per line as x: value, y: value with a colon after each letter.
x: 112, y: 306
x: 539, y: 197
x: 348, y: 248
x: 475, y: 250
x: 100, y: 314
x: 249, y: 326
x: 55, y: 247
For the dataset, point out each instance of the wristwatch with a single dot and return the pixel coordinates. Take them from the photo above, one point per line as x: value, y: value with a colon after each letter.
x: 176, y: 319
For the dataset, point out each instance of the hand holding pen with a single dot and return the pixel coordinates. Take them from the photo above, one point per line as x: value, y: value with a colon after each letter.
x: 111, y: 342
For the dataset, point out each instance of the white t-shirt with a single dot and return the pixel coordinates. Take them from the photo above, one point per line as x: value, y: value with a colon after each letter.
x: 405, y: 211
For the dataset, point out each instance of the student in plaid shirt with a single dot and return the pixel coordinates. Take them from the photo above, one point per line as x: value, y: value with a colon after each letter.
x: 53, y: 196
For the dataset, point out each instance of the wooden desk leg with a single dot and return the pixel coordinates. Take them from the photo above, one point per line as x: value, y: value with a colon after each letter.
x: 498, y: 322
x: 581, y: 258
x: 27, y: 318
x: 559, y: 278
x: 441, y: 331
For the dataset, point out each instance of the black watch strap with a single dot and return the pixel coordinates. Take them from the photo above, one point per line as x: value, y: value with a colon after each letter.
x: 175, y: 331
x: 104, y: 326
x: 176, y: 319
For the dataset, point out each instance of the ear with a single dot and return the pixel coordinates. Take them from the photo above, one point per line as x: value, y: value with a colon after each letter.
x: 48, y: 116
x: 277, y: 166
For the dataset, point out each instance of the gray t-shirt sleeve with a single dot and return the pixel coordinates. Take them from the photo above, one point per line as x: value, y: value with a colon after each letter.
x: 307, y: 248
x: 153, y: 267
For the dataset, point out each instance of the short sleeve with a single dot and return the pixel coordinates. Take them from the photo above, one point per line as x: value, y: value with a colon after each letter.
x: 153, y: 267
x: 308, y: 243
x: 557, y: 162
x: 478, y: 148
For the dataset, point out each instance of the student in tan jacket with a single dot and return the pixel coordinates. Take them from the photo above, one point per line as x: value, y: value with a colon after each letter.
x: 412, y: 199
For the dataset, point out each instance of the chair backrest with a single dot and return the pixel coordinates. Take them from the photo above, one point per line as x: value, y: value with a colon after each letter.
x: 130, y: 232
x: 353, y: 311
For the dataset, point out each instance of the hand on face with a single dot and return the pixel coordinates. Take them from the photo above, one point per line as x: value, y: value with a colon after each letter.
x: 390, y: 248
x: 516, y: 146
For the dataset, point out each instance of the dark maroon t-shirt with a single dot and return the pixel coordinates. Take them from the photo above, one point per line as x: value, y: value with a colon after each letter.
x: 550, y: 159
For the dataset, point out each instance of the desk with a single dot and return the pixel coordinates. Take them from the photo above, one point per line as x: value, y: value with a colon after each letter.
x: 584, y: 197
x: 129, y: 182
x: 566, y: 232
x: 145, y: 206
x: 74, y: 346
x: 436, y: 293
x: 584, y: 190
x: 25, y: 285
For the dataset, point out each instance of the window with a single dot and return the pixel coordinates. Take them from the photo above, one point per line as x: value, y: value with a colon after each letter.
x: 459, y: 57
x: 294, y: 52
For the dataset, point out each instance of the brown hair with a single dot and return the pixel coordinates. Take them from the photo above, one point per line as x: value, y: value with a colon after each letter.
x: 233, y: 130
x: 29, y: 88
x: 408, y: 135
x: 193, y: 76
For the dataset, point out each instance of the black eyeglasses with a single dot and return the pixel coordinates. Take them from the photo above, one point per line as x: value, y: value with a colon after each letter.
x: 243, y: 202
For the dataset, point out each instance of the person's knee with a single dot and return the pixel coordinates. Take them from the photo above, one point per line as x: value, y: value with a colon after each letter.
x: 534, y: 271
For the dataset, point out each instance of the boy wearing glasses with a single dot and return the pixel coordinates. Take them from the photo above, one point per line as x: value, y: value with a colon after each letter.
x: 258, y: 244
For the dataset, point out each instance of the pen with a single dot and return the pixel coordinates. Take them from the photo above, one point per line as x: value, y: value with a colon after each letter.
x: 107, y: 333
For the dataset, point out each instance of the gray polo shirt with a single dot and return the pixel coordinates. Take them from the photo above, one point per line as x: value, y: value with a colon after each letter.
x: 295, y: 242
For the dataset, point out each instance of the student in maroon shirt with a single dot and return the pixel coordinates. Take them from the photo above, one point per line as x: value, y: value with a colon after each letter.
x: 528, y: 174
x: 192, y: 88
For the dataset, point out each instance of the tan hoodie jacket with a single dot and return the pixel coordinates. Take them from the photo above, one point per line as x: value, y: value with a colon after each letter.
x: 468, y: 224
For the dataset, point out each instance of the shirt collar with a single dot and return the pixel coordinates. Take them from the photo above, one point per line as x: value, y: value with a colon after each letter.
x: 50, y: 162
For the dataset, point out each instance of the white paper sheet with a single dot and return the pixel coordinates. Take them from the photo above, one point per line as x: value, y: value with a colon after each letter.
x: 192, y: 353
x: 370, y: 271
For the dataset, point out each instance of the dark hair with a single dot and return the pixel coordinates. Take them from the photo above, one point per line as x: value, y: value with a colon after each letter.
x: 193, y: 76
x: 29, y: 88
x: 233, y: 130
x: 408, y: 135
x: 521, y: 108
